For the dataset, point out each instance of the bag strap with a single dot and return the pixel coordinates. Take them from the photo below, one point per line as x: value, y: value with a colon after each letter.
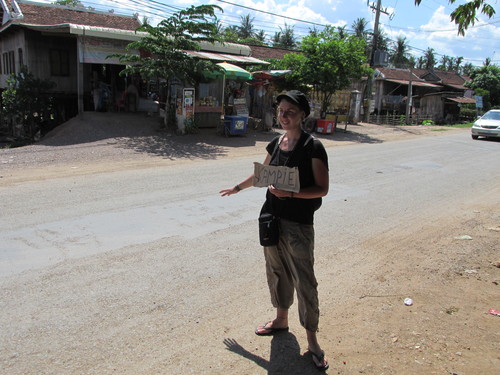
x: 280, y: 139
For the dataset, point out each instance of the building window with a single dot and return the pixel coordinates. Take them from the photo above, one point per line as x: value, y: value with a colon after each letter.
x: 59, y: 62
x: 8, y: 63
x: 21, y: 59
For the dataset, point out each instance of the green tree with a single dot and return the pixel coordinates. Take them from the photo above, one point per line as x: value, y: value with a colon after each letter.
x: 382, y: 41
x: 327, y: 62
x: 465, y: 15
x: 285, y: 38
x: 487, y: 78
x: 162, y: 48
x: 360, y: 31
x: 450, y: 64
x: 360, y: 28
x: 26, y: 102
x: 261, y: 36
x: 428, y: 61
x: 400, y: 53
x: 71, y: 3
x: 246, y: 28
x: 342, y: 30
x: 467, y: 69
x: 231, y: 34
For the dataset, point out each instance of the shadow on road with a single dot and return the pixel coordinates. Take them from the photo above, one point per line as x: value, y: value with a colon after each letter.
x: 143, y: 134
x: 285, y: 357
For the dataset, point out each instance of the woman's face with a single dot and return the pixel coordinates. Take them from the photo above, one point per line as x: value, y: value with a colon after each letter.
x: 289, y: 115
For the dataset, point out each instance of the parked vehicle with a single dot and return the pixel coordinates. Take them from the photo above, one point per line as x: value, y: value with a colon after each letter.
x: 488, y: 125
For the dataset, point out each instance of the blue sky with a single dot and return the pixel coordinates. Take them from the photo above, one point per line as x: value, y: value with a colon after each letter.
x: 427, y: 25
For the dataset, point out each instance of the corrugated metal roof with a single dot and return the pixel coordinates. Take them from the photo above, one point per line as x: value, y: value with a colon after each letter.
x: 463, y: 100
x: 225, y: 57
x: 414, y: 83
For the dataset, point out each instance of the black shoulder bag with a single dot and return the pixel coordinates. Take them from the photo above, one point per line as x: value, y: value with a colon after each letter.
x: 269, y: 230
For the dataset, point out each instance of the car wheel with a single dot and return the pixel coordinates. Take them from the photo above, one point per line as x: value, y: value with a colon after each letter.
x: 475, y: 136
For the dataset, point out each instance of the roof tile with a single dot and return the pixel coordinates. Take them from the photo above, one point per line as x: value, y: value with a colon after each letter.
x: 49, y: 14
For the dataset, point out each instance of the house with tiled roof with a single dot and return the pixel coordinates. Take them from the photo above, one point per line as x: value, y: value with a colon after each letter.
x: 71, y: 47
x: 434, y: 94
x: 391, y: 88
x: 66, y: 45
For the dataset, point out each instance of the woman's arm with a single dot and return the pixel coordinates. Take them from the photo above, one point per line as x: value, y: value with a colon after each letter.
x: 318, y: 190
x: 246, y: 183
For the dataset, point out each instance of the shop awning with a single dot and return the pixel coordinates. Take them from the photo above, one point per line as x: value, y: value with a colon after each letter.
x: 463, y: 100
x: 225, y: 57
x: 269, y: 74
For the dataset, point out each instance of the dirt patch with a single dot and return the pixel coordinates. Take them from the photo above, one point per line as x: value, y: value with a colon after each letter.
x: 449, y: 270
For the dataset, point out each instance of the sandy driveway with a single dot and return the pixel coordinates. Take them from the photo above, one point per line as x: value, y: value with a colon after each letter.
x: 107, y: 314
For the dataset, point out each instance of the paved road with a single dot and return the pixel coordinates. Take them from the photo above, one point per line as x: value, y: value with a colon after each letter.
x: 150, y: 271
x: 46, y: 222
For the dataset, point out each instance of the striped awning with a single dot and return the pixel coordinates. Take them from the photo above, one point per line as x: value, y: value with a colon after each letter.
x: 225, y: 57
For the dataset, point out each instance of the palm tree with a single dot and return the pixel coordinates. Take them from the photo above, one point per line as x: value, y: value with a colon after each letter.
x: 400, y: 52
x: 446, y: 62
x: 467, y: 69
x: 261, y: 36
x: 429, y: 58
x: 246, y: 29
x: 277, y: 39
x: 382, y: 41
x: 285, y: 38
x: 359, y: 28
x: 342, y: 32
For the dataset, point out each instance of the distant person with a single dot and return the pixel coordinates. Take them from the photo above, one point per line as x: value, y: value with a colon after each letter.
x: 132, y: 97
x: 290, y: 262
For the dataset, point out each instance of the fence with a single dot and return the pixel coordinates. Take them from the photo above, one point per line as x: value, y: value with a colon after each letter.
x: 398, y: 119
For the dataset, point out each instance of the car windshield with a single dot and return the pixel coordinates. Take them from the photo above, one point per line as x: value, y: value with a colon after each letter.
x: 492, y: 115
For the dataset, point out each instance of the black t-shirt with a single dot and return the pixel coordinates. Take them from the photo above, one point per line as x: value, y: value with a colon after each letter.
x: 296, y: 209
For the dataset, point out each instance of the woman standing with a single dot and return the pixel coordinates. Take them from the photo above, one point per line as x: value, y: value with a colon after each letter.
x: 290, y: 263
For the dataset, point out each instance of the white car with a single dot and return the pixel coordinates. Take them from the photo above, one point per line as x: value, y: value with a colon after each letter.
x: 488, y: 125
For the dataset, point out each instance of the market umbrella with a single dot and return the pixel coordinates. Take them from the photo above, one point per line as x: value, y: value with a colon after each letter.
x: 269, y: 74
x: 235, y: 72
x: 232, y: 72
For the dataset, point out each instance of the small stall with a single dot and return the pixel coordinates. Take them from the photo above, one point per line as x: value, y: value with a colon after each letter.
x: 234, y: 111
x: 217, y: 103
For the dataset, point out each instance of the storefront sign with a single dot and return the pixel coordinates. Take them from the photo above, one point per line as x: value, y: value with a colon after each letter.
x: 479, y: 101
x: 188, y: 103
x: 96, y: 50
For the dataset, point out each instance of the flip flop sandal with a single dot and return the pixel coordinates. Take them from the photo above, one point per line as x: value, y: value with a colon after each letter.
x: 320, y: 358
x: 263, y: 330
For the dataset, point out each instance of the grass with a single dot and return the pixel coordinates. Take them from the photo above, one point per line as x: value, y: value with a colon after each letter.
x: 443, y: 128
x: 466, y: 125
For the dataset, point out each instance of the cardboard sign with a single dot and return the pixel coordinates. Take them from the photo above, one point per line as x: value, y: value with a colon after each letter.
x: 284, y: 178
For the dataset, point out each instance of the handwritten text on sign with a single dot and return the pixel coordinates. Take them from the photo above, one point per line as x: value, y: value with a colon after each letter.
x: 284, y: 178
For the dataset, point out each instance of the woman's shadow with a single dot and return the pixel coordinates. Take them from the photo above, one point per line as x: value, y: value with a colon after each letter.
x: 285, y: 356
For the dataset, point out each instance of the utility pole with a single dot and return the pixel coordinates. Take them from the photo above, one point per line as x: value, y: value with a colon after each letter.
x: 369, y: 85
x: 410, y: 97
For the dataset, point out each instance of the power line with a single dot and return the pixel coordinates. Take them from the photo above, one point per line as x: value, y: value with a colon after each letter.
x: 272, y: 14
x: 152, y: 8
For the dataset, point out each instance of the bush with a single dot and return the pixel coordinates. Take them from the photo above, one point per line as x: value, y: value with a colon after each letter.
x: 26, y: 106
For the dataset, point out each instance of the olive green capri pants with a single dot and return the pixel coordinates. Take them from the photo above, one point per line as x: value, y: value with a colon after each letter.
x: 289, y: 267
